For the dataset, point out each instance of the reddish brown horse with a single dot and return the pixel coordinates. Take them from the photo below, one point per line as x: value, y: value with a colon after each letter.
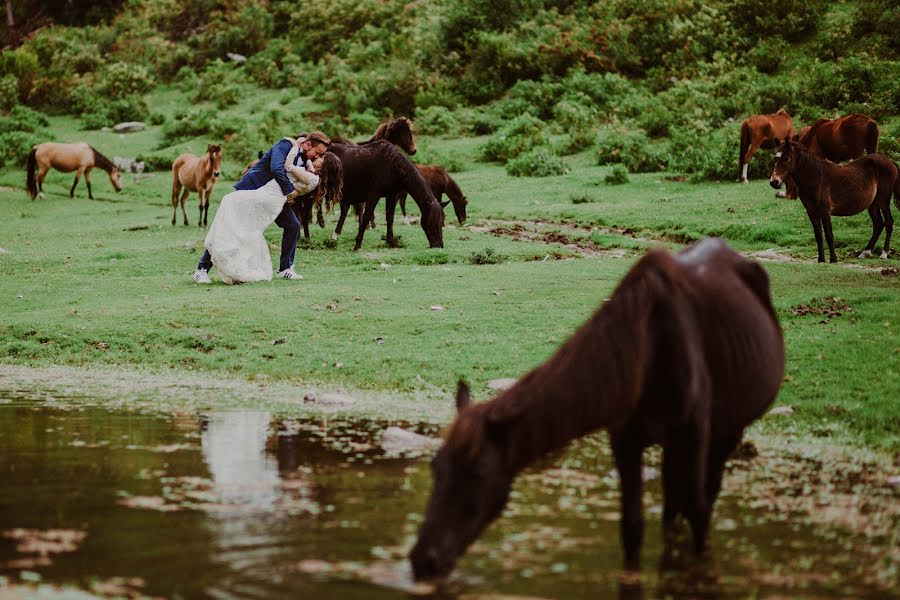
x: 80, y: 158
x: 828, y: 189
x: 841, y: 139
x: 762, y: 131
x: 686, y: 353
x: 196, y: 174
x: 441, y: 183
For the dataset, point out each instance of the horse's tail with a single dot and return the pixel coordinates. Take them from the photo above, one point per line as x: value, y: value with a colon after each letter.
x: 745, y: 145
x: 30, y: 181
x: 872, y: 138
x: 897, y: 186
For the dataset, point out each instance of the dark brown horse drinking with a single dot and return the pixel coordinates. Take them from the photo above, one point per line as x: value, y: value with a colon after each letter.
x: 80, y: 158
x: 441, y: 183
x: 377, y: 170
x: 841, y: 139
x: 827, y: 190
x: 762, y: 131
x: 686, y: 353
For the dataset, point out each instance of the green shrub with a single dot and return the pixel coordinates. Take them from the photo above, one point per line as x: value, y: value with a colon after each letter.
x: 436, y: 120
x: 539, y: 162
x: 157, y: 118
x: 192, y: 123
x: 790, y: 19
x: 630, y: 147
x: 160, y: 160
x: 617, y: 175
x: 19, y: 131
x: 452, y: 161
x: 519, y: 136
x: 364, y: 123
x: 22, y: 118
x: 488, y: 256
x: 768, y: 55
x: 104, y: 112
x: 9, y: 91
x: 576, y: 141
x: 121, y: 80
x: 582, y: 198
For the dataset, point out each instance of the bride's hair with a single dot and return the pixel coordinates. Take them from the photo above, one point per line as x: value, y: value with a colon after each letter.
x: 331, y: 182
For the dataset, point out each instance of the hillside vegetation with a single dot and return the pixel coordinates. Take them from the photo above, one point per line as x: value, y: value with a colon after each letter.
x: 651, y: 84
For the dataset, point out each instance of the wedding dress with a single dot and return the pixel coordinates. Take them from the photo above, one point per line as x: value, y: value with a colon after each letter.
x: 235, y: 240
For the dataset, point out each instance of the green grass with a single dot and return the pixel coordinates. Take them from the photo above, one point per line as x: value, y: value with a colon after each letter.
x: 108, y: 283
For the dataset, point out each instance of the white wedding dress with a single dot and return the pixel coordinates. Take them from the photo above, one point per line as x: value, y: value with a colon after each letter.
x: 235, y: 240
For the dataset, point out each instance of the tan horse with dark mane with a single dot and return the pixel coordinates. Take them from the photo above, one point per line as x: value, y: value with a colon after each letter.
x: 841, y: 139
x: 762, y: 131
x: 195, y: 174
x: 79, y: 157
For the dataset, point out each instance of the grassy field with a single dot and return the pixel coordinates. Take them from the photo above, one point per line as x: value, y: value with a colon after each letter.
x: 108, y: 282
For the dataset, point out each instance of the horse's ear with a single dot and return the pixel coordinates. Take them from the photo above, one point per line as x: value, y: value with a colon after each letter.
x: 463, y: 395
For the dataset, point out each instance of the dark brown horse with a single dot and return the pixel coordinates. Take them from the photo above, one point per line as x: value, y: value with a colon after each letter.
x: 686, y: 353
x: 762, y: 131
x: 79, y: 157
x: 441, y: 183
x: 377, y: 170
x: 828, y: 189
x: 841, y: 139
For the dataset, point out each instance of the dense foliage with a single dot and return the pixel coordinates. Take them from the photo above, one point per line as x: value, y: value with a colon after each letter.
x: 632, y: 78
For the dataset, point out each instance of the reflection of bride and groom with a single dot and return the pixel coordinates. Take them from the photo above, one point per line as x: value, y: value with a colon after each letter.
x: 235, y: 243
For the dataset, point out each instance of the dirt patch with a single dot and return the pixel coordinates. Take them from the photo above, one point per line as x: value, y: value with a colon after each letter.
x: 827, y: 307
x: 570, y: 236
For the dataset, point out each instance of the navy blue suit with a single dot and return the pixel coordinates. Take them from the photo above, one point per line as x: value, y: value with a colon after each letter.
x: 269, y: 167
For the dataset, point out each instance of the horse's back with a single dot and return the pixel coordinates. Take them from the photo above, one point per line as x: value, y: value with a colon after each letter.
x: 183, y: 166
x: 64, y: 156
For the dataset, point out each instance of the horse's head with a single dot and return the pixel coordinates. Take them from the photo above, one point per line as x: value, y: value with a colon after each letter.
x: 115, y: 177
x: 400, y: 133
x: 471, y: 487
x: 433, y: 224
x: 215, y: 158
x: 785, y: 162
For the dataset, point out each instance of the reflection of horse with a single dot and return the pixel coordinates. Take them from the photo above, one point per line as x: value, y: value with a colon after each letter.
x: 841, y: 139
x: 195, y: 174
x: 686, y: 353
x: 441, y: 183
x: 78, y: 157
x: 762, y: 131
x: 376, y: 170
x: 828, y: 189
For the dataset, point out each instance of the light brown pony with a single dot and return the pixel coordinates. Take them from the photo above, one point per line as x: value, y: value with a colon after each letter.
x: 841, y: 139
x: 195, y: 174
x: 828, y: 189
x: 79, y: 157
x: 686, y: 353
x: 762, y: 131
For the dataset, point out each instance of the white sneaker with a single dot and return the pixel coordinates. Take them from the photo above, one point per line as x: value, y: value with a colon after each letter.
x: 289, y: 273
x: 202, y: 276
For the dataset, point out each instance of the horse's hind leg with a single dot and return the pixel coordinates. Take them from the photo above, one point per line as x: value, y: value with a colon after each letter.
x: 628, y: 464
x: 877, y: 226
x: 817, y: 232
x: 403, y: 208
x: 184, y: 196
x: 42, y: 173
x: 390, y: 209
x: 340, y: 223
x: 176, y: 190
x: 74, y: 183
x: 87, y: 182
x: 829, y: 237
x: 368, y: 215
x: 888, y: 229
x: 200, y: 194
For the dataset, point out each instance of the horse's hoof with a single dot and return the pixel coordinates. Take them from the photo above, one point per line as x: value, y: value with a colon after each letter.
x: 884, y: 254
x: 42, y: 196
x: 333, y: 237
x: 866, y: 254
x: 781, y: 195
x: 406, y: 221
x: 745, y: 181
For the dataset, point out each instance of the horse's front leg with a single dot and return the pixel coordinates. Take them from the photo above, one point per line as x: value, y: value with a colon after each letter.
x: 340, y: 224
x: 87, y: 182
x: 888, y: 230
x: 390, y: 209
x: 829, y: 236
x: 184, y: 196
x: 75, y: 183
x: 877, y: 226
x: 628, y: 463
x: 817, y: 231
x: 369, y: 213
x: 200, y: 193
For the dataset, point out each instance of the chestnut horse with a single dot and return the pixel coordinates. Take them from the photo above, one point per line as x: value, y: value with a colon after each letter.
x: 686, y: 353
x: 828, y: 189
x: 196, y: 174
x: 762, y: 131
x: 841, y: 139
x: 441, y: 183
x: 79, y: 157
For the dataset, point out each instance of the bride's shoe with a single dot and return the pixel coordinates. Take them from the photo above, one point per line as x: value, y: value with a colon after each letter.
x: 289, y: 273
x: 202, y: 276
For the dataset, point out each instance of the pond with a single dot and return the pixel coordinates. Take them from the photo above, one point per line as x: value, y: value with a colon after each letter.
x: 244, y: 504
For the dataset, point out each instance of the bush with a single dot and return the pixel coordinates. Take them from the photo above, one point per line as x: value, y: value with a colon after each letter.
x: 519, y: 136
x: 103, y: 112
x: 160, y: 160
x: 790, y: 19
x: 19, y: 131
x: 9, y: 91
x: 487, y: 257
x: 436, y: 120
x: 365, y: 123
x: 536, y: 163
x: 631, y: 148
x: 768, y: 55
x: 157, y: 118
x: 206, y: 121
x: 121, y: 80
x: 617, y: 175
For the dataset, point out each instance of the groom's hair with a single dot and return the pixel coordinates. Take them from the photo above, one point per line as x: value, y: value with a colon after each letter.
x: 316, y: 137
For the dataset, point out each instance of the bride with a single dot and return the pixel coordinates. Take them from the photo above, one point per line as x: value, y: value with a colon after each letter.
x: 235, y: 240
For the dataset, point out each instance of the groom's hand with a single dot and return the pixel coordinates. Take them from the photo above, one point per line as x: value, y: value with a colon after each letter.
x: 291, y: 197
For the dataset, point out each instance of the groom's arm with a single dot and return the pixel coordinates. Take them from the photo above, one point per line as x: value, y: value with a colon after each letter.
x: 276, y: 166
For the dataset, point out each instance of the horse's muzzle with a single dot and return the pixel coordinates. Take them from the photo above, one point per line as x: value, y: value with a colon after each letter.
x: 217, y: 173
x: 775, y: 183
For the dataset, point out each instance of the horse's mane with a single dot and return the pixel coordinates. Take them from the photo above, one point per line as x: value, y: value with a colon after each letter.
x: 102, y: 162
x: 387, y: 128
x: 610, y: 352
x: 400, y: 164
x: 810, y: 164
x: 453, y: 188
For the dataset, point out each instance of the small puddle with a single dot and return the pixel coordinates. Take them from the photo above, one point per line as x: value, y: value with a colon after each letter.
x: 245, y: 505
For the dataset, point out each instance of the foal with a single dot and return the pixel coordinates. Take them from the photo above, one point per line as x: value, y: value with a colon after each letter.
x: 686, y: 353
x: 828, y: 189
x: 196, y: 174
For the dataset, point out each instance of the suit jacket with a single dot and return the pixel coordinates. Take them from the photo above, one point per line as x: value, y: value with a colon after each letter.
x: 271, y: 166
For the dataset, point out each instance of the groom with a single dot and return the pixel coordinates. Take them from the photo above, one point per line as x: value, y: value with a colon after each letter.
x: 271, y: 166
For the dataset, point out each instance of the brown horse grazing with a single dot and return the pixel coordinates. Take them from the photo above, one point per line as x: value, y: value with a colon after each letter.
x: 828, y: 189
x: 380, y: 170
x: 841, y: 139
x: 195, y: 174
x: 79, y: 157
x: 441, y: 183
x: 762, y: 131
x: 686, y: 353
